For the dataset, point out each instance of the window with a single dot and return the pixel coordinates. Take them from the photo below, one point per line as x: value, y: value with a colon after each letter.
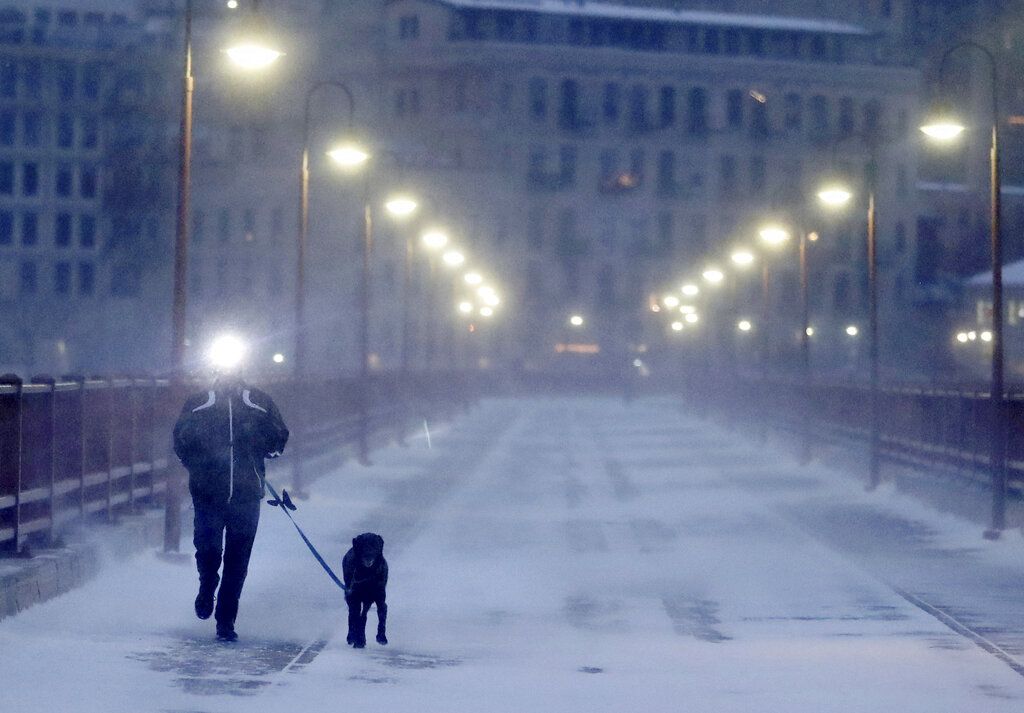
x: 792, y: 112
x: 638, y: 107
x: 7, y: 128
x: 8, y: 77
x: 820, y: 120
x: 667, y: 106
x: 6, y: 178
x: 733, y: 42
x: 872, y: 118
x: 32, y: 123
x: 6, y: 227
x: 87, y: 181
x: 224, y: 225
x: 29, y: 278
x: 667, y: 173
x: 727, y: 175
x: 33, y: 79
x: 65, y: 131
x: 87, y: 231
x: 29, y: 229
x: 29, y: 179
x: 711, y: 41
x: 408, y: 27
x: 568, y: 110
x: 758, y: 175
x: 62, y: 278
x: 90, y: 132
x: 62, y: 230
x: 734, y: 108
x: 697, y: 105
x: 759, y: 127
x: 91, y: 81
x: 63, y: 181
x: 846, y: 120
x: 538, y: 91
x: 609, y: 167
x: 610, y: 103
x: 67, y: 18
x: 567, y: 165
x: 86, y: 278
x: 65, y: 72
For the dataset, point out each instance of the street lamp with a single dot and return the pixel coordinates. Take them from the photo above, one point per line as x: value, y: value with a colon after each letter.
x: 473, y: 278
x: 453, y: 258
x: 690, y: 290
x: 742, y: 258
x: 179, y: 304
x: 713, y: 276
x: 576, y: 320
x: 945, y: 127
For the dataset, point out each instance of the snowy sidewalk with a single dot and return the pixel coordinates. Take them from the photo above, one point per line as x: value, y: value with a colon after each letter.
x: 562, y: 555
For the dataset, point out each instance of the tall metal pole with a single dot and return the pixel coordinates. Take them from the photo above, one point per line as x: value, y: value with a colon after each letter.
x: 407, y: 305
x: 805, y: 346
x: 431, y: 312
x: 364, y: 329
x: 999, y: 415
x: 172, y: 514
x: 765, y: 347
x: 874, y: 465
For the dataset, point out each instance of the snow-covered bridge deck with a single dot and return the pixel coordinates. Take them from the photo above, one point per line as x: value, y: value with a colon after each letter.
x: 564, y: 555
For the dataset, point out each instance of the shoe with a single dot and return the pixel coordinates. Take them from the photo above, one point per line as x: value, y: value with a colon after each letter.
x: 382, y: 640
x: 226, y: 632
x: 204, y: 602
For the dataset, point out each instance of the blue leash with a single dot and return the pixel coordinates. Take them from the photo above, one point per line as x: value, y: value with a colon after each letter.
x: 286, y: 505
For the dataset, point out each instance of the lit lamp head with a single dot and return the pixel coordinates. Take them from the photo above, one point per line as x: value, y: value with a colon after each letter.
x: 713, y: 275
x: 773, y: 235
x: 466, y: 307
x: 742, y: 258
x: 453, y: 258
x: 576, y: 320
x: 690, y: 290
x: 942, y: 124
x: 473, y: 278
x: 348, y: 156
x: 434, y: 239
x: 670, y: 301
x: 834, y: 195
x: 401, y: 206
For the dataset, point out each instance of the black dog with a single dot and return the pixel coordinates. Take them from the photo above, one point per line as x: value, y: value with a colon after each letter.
x: 366, y: 578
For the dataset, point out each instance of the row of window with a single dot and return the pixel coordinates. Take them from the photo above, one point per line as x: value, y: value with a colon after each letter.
x: 63, y: 229
x: 36, y: 130
x: 236, y: 278
x: 61, y: 278
x: 63, y: 180
x: 227, y: 222
x: 638, y: 35
x: 38, y: 79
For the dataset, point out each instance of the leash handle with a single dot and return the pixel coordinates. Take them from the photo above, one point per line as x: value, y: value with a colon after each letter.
x: 327, y: 568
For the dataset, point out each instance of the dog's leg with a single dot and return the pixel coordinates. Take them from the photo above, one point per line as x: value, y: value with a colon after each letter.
x: 382, y: 620
x: 353, y: 619
x: 360, y: 632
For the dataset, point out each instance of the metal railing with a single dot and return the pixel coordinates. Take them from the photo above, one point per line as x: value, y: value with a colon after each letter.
x: 73, y: 449
x: 948, y: 427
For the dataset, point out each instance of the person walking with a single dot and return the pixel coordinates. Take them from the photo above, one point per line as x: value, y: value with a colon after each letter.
x: 222, y: 438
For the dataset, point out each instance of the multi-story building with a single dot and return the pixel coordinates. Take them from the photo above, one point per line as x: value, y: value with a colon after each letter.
x: 81, y: 172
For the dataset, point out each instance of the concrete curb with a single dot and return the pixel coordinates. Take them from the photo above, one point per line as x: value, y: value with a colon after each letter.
x: 52, y: 572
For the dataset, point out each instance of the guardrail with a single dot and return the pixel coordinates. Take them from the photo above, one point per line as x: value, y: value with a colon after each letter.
x: 919, y: 426
x: 93, y: 447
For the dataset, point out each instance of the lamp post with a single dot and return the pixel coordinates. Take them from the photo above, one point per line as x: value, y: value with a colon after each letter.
x: 434, y: 241
x: 250, y: 56
x: 945, y: 128
x: 354, y: 158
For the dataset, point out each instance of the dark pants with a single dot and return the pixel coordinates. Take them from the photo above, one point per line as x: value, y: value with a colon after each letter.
x: 225, y: 530
x: 359, y: 602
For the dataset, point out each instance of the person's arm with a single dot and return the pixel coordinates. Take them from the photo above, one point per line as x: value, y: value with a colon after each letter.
x: 186, y: 437
x: 273, y: 431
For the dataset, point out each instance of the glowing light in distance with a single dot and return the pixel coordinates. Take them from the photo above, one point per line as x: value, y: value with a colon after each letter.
x: 492, y: 300
x: 687, y: 309
x: 453, y: 258
x: 486, y: 291
x: 226, y: 352
x: 473, y: 278
x: 834, y: 196
x: 962, y: 337
x: 401, y: 206
x: 852, y: 330
x: 809, y: 331
x: 713, y: 275
x: 774, y: 235
x: 486, y: 311
x: 945, y: 129
x: 677, y: 326
x: 465, y: 307
x: 691, y: 290
x: 744, y: 325
x: 986, y: 336
x: 232, y: 4
x: 813, y: 237
x: 435, y: 239
x: 278, y: 358
x: 972, y: 335
x: 655, y: 308
x: 348, y: 156
x: 692, y: 318
x: 576, y: 320
x: 671, y: 301
x: 251, y: 56
x: 743, y: 258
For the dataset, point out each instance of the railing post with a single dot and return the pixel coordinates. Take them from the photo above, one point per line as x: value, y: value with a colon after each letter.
x: 174, y: 395
x: 11, y: 459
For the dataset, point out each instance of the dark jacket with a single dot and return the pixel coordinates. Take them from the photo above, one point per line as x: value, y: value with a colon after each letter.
x: 223, y: 436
